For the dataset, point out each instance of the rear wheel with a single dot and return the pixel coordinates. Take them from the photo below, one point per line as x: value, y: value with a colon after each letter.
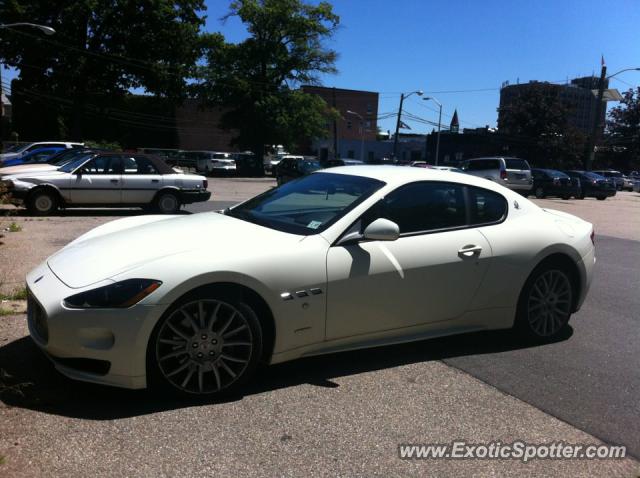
x: 545, y: 303
x: 601, y: 198
x: 205, y: 345
x: 43, y: 203
x: 540, y: 192
x: 167, y: 203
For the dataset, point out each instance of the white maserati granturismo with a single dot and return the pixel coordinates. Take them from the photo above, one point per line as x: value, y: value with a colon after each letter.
x: 341, y: 259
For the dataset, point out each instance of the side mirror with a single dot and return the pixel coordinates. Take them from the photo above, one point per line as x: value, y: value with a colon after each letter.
x: 382, y: 230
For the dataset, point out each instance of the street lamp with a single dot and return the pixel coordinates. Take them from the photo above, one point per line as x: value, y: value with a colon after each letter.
x: 395, y: 140
x: 361, y: 133
x: 591, y: 143
x: 43, y: 28
x: 439, y: 123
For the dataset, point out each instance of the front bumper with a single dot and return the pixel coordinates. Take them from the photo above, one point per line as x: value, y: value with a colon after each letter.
x: 189, y: 197
x: 106, y: 346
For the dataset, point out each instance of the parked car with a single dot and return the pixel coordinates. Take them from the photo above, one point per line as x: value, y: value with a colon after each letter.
x: 448, y: 168
x: 419, y: 164
x: 35, y: 155
x: 514, y: 173
x: 107, y: 180
x: 17, y: 151
x: 211, y: 162
x: 628, y: 183
x: 550, y: 182
x: 593, y: 185
x: 332, y: 163
x: 248, y: 164
x: 615, y: 176
x: 271, y: 162
x: 143, y: 301
x: 293, y: 168
x: 47, y: 164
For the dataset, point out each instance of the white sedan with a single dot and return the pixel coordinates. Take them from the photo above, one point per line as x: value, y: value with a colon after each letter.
x: 341, y: 259
x: 100, y: 179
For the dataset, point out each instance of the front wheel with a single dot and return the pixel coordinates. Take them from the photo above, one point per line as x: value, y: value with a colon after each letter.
x: 205, y: 345
x: 545, y: 303
x: 43, y: 203
x: 601, y: 198
x: 540, y: 192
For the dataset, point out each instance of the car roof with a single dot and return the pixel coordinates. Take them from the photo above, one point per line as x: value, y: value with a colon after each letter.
x: 396, y: 175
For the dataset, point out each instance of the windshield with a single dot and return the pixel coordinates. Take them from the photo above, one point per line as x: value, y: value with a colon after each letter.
x: 309, y: 166
x: 74, y: 164
x: 16, y: 148
x: 307, y: 205
x: 557, y: 174
x: 594, y: 176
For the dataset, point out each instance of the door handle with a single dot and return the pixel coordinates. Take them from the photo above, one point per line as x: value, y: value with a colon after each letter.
x: 114, y: 181
x: 470, y: 251
x: 155, y: 180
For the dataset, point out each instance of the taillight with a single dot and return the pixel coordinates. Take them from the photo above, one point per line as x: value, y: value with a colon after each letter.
x: 503, y: 174
x: 205, y: 184
x: 593, y: 237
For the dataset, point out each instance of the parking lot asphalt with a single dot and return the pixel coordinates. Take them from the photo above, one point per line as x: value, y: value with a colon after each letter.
x: 344, y: 413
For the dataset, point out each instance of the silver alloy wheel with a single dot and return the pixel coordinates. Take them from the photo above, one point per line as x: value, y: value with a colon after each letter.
x: 549, y: 303
x: 168, y: 203
x: 204, y: 346
x: 43, y: 203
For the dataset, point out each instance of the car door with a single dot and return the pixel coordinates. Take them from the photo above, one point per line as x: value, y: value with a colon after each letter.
x: 98, y: 181
x: 429, y: 274
x: 140, y: 180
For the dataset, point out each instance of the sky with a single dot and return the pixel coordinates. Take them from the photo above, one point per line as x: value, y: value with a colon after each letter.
x: 396, y: 46
x: 446, y: 47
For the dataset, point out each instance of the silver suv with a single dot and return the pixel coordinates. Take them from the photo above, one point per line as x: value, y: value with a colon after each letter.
x: 514, y: 173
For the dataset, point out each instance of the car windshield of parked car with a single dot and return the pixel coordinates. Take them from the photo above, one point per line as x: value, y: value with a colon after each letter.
x: 591, y: 175
x: 557, y: 174
x: 72, y: 165
x: 16, y: 148
x: 309, y: 166
x: 308, y: 205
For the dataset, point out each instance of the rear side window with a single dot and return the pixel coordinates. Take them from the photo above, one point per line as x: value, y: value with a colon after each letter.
x: 483, y: 164
x: 486, y: 206
x: 514, y: 163
x: 426, y: 206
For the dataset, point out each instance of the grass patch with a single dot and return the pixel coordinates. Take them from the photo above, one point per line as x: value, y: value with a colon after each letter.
x: 14, y: 227
x: 2, y: 460
x: 20, y: 294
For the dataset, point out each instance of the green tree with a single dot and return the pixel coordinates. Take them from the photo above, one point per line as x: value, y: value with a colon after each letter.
x: 538, y: 121
x: 257, y: 81
x: 623, y: 129
x: 102, y: 49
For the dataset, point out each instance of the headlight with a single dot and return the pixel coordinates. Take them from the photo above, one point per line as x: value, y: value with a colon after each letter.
x: 119, y: 295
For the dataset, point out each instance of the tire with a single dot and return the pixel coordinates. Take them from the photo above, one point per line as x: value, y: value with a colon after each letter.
x: 543, y: 314
x: 43, y: 202
x: 167, y: 203
x: 539, y: 192
x: 206, y: 345
x: 601, y: 198
x: 566, y: 197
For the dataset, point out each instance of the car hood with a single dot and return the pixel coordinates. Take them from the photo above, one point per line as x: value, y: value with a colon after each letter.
x: 122, y: 245
x: 26, y: 168
x: 5, y: 156
x: 36, y: 176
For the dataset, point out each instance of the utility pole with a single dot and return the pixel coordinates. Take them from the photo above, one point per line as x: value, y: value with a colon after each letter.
x: 395, y: 138
x: 591, y: 143
x: 335, y: 126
